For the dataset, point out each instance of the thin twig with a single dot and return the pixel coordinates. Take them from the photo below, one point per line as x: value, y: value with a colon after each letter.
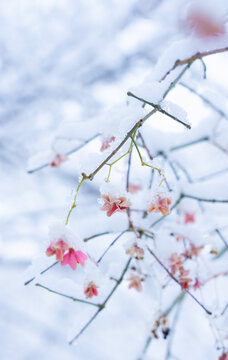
x: 175, y: 302
x: 67, y: 296
x: 171, y: 336
x: 221, y: 237
x: 204, y: 200
x: 102, y: 306
x: 41, y: 273
x: 192, y: 58
x: 67, y: 154
x: 112, y: 243
x: 205, y: 100
x: 178, y: 147
x: 159, y: 108
x: 177, y: 281
x: 224, y: 310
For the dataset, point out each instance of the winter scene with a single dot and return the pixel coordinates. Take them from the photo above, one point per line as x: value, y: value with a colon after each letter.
x: 114, y: 173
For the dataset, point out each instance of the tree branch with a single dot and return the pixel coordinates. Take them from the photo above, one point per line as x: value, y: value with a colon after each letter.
x: 177, y: 281
x: 102, y: 306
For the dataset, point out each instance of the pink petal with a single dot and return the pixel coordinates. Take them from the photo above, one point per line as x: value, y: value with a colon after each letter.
x: 69, y: 259
x: 80, y: 257
x: 113, y: 209
x: 50, y: 251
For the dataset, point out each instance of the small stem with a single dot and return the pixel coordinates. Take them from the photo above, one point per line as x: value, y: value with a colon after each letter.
x: 121, y: 157
x: 188, y: 177
x: 173, y: 84
x: 41, y: 273
x: 205, y: 138
x: 193, y: 58
x: 224, y: 310
x: 177, y: 281
x: 176, y: 301
x: 205, y: 100
x: 112, y: 243
x: 171, y: 336
x: 204, y: 200
x: 158, y: 107
x: 221, y: 237
x: 96, y: 235
x: 102, y: 306
x: 67, y: 154
x: 141, y: 159
x: 129, y: 134
x: 67, y: 296
x: 75, y: 198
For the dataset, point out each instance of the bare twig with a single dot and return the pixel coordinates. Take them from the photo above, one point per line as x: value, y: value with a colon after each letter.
x: 67, y: 296
x: 177, y: 281
x: 221, y: 237
x: 159, y: 108
x: 204, y: 200
x: 67, y: 153
x: 102, y: 306
x: 192, y: 58
x: 112, y: 243
x: 41, y: 273
x: 205, y: 100
x: 175, y: 302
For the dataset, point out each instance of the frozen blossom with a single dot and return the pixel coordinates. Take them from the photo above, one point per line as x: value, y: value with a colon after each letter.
x: 57, y: 248
x: 183, y: 278
x: 175, y: 262
x: 112, y: 204
x: 135, y: 282
x: 204, y: 24
x: 136, y: 251
x: 189, y: 218
x: 106, y: 143
x: 160, y: 204
x: 91, y: 290
x: 73, y: 258
x: 57, y: 161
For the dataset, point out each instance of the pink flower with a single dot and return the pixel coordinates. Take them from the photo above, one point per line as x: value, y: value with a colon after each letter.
x: 183, y: 278
x: 197, y: 284
x: 106, y: 143
x: 162, y: 205
x: 112, y: 204
x: 134, y: 188
x: 189, y: 218
x: 73, y: 258
x: 194, y: 251
x: 204, y: 26
x: 135, y: 282
x: 58, y: 248
x: 58, y: 160
x: 91, y: 290
x: 224, y: 356
x: 175, y: 261
x: 135, y: 250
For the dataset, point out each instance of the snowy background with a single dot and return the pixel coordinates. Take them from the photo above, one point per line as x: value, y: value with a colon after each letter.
x: 67, y: 62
